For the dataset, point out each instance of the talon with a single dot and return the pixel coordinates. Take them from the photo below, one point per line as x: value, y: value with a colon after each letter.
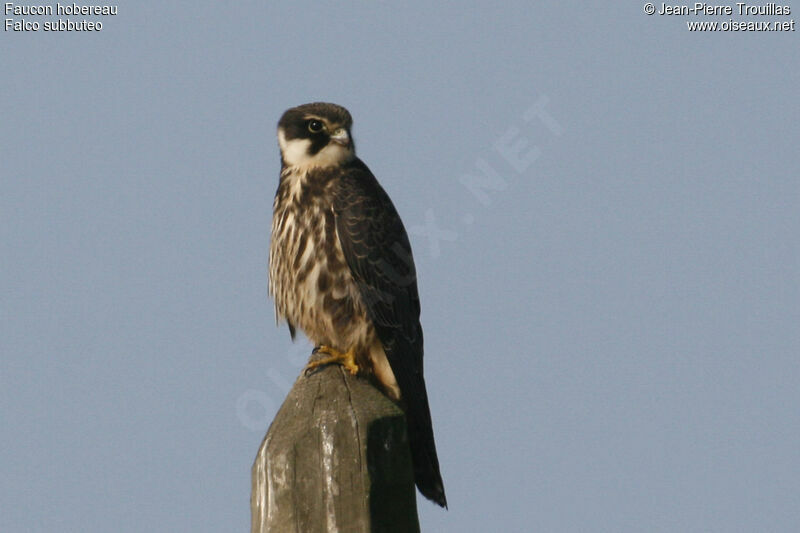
x: 346, y: 359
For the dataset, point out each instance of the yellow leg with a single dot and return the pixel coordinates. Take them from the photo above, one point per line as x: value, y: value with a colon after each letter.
x: 346, y: 359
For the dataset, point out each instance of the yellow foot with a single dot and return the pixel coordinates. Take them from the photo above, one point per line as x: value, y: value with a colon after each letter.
x: 346, y: 359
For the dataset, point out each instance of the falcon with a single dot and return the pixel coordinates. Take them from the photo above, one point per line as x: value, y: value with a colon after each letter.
x: 341, y: 270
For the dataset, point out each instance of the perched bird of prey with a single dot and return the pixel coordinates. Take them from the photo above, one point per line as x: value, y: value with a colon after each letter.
x: 341, y: 270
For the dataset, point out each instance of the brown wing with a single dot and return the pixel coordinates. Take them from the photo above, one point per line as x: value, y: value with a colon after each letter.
x: 377, y: 250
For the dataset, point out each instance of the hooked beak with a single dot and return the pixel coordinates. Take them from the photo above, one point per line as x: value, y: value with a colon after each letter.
x: 340, y: 136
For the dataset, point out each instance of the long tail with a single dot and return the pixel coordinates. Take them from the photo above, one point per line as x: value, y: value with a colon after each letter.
x: 405, y: 358
x: 423, y: 448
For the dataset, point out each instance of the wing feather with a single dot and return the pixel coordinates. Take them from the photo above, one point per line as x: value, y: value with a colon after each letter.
x: 377, y: 250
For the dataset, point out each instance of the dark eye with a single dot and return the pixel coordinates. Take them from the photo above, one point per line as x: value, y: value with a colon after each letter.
x: 315, y: 126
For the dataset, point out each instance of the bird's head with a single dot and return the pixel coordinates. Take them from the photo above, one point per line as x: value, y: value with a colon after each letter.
x: 315, y: 135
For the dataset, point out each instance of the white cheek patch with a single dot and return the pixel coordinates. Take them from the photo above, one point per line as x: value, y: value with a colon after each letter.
x: 295, y: 152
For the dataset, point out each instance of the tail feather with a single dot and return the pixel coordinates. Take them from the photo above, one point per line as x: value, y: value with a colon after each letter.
x: 405, y: 354
x: 423, y: 449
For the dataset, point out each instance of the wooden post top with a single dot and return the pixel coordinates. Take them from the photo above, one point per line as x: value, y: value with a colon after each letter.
x: 335, y: 459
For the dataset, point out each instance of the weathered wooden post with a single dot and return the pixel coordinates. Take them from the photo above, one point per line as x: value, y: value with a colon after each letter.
x: 335, y: 458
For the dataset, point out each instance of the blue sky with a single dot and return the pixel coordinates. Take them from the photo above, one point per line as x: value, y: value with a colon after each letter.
x: 610, y: 314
